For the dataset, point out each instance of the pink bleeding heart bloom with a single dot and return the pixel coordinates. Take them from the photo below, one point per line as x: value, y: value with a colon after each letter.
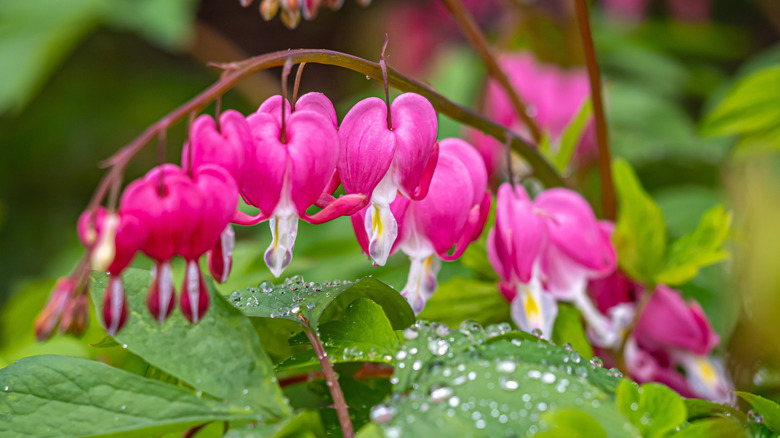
x: 545, y: 250
x: 184, y: 216
x: 671, y: 334
x: 116, y: 238
x: 380, y: 161
x: 453, y: 214
x: 553, y: 96
x: 292, y: 169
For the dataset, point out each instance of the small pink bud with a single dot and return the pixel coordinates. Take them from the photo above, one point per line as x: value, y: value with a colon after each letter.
x: 194, y: 299
x: 291, y: 14
x: 50, y: 315
x: 334, y: 5
x: 75, y: 315
x: 310, y: 8
x: 245, y: 3
x: 114, y: 306
x: 161, y: 297
x: 268, y: 9
x: 220, y: 258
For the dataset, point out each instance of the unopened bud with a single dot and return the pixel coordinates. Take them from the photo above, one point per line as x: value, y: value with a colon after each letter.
x: 268, y: 9
x: 105, y: 250
x: 334, y: 4
x: 194, y: 299
x: 291, y: 14
x: 310, y: 8
x: 75, y: 315
x: 364, y: 2
x: 114, y: 306
x: 161, y: 298
x: 245, y: 3
x: 47, y: 320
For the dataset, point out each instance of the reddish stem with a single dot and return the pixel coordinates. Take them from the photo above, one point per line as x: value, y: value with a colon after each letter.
x: 330, y: 376
x: 604, y: 158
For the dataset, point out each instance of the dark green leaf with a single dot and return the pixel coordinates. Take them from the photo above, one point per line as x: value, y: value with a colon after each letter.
x: 459, y: 299
x: 654, y: 409
x: 640, y: 233
x: 327, y: 301
x: 220, y: 355
x: 53, y: 396
x: 700, y: 248
x: 698, y: 409
x: 767, y: 408
x: 303, y: 425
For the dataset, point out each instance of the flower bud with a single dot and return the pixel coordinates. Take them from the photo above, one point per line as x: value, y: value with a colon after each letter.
x: 161, y: 297
x: 114, y: 306
x: 75, y: 315
x: 220, y: 257
x: 50, y: 315
x: 194, y: 299
x: 290, y: 17
x: 268, y: 9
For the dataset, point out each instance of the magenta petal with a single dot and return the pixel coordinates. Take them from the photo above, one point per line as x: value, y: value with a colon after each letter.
x: 241, y: 218
x: 398, y: 208
x: 320, y: 104
x: 425, y: 181
x: 367, y: 146
x: 226, y: 148
x: 267, y: 164
x: 472, y: 230
x: 574, y: 229
x: 313, y: 147
x: 414, y: 127
x: 470, y: 158
x: 219, y: 202
x: 342, y: 206
x: 273, y: 107
x: 521, y: 230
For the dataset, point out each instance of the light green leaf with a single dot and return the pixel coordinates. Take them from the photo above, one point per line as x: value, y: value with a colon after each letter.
x: 654, y: 409
x: 220, y: 355
x: 316, y: 302
x: 459, y: 299
x: 303, y: 425
x: 570, y: 329
x: 571, y: 137
x: 711, y: 428
x: 364, y: 335
x: 767, y: 408
x: 640, y: 233
x: 753, y: 105
x: 700, y: 248
x: 571, y: 423
x: 54, y: 396
x: 698, y: 409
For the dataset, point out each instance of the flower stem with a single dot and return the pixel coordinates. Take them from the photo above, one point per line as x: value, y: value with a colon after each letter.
x: 237, y: 71
x: 602, y: 136
x: 330, y: 377
x: 480, y: 44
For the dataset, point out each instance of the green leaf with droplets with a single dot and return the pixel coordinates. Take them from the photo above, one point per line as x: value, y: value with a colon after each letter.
x: 475, y: 382
x: 459, y: 299
x: 569, y: 329
x: 364, y: 335
x: 571, y: 423
x: 320, y: 302
x: 220, y: 355
x: 653, y: 408
x: 54, y: 396
x: 305, y: 424
x: 712, y: 428
x: 767, y: 408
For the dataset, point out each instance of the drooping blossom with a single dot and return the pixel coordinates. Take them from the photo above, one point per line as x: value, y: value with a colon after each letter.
x: 280, y: 171
x: 47, y: 320
x: 382, y: 156
x: 453, y: 214
x: 672, y: 343
x: 553, y: 96
x: 184, y: 216
x: 546, y: 250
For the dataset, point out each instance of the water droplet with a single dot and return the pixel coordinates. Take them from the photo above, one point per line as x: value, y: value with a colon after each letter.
x: 124, y: 346
x: 293, y: 287
x: 395, y: 431
x: 382, y: 414
x: 506, y: 367
x: 535, y: 374
x: 297, y: 279
x: 401, y: 355
x: 480, y: 424
x: 295, y: 309
x: 508, y: 384
x: 755, y: 417
x: 245, y: 391
x: 438, y: 347
x: 616, y: 372
x: 440, y: 329
x: 123, y: 407
x: 454, y: 401
x: 316, y: 287
x: 235, y: 296
x: 438, y: 395
x: 597, y: 362
x: 252, y: 302
x: 537, y: 332
x: 417, y: 365
x: 310, y: 305
x: 634, y: 407
x: 548, y: 378
x: 459, y: 380
x: 410, y: 334
x: 266, y: 286
x: 568, y: 347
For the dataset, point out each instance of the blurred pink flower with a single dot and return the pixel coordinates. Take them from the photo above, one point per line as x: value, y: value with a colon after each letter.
x: 553, y: 97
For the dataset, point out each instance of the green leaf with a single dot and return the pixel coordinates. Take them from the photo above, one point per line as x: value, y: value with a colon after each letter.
x: 364, y: 335
x: 750, y: 107
x: 571, y: 423
x: 167, y: 23
x: 700, y: 248
x: 304, y: 424
x: 711, y: 428
x: 570, y: 329
x: 459, y: 299
x: 48, y: 396
x: 654, y: 409
x: 640, y: 233
x: 698, y: 409
x: 316, y: 302
x: 571, y: 137
x: 220, y: 355
x: 767, y: 408
x: 486, y: 383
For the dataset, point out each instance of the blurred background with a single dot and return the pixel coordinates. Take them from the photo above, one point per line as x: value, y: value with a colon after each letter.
x: 79, y: 79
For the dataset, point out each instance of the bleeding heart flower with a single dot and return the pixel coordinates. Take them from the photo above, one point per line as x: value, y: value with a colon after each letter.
x: 549, y: 246
x: 290, y: 167
x: 453, y: 214
x: 384, y: 155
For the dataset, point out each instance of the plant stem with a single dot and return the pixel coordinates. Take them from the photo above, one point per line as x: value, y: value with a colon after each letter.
x: 477, y: 39
x: 602, y: 138
x: 237, y: 71
x: 330, y: 376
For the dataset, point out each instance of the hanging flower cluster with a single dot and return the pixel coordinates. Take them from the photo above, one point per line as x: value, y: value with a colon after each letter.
x: 291, y: 11
x: 404, y: 189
